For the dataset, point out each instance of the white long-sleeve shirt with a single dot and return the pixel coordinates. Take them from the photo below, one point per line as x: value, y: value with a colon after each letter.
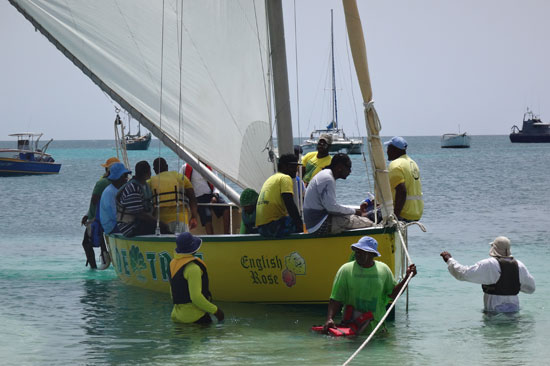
x: 487, y: 272
x: 320, y: 200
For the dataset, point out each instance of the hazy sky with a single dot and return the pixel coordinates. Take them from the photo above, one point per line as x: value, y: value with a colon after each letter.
x: 434, y: 65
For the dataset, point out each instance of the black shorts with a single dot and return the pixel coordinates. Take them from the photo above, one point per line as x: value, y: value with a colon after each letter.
x: 204, y: 211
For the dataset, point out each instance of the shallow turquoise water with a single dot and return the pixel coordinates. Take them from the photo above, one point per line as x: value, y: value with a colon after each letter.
x: 54, y: 311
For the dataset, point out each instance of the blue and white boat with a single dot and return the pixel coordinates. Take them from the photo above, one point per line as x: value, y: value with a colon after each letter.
x: 27, y: 158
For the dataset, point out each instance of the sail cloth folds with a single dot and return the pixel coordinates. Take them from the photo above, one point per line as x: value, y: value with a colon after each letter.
x: 125, y: 46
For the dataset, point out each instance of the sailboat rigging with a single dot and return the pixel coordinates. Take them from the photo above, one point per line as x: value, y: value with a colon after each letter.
x: 340, y: 142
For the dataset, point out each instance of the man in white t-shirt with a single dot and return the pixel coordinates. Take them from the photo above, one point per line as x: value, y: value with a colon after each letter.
x: 501, y: 277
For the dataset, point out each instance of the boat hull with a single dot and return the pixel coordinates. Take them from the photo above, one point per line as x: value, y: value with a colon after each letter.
x: 16, y: 167
x: 520, y: 137
x: 140, y: 144
x: 456, y: 142
x: 249, y: 268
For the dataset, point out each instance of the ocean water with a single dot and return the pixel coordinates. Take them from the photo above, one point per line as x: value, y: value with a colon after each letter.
x: 55, y: 311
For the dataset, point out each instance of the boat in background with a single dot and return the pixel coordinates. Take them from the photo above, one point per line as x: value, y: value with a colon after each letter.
x: 137, y: 141
x: 455, y: 140
x: 340, y: 143
x: 533, y: 129
x: 27, y: 158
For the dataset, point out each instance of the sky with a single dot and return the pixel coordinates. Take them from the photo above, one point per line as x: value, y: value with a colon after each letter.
x: 436, y: 66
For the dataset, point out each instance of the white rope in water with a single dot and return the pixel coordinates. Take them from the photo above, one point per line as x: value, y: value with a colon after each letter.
x: 405, y: 285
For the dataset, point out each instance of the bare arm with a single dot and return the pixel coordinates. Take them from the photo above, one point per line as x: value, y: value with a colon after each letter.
x: 397, y: 288
x: 292, y: 210
x: 190, y: 193
x: 334, y: 308
x: 400, y: 198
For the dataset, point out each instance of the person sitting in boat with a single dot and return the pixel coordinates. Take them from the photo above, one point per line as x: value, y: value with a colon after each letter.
x: 135, y: 205
x: 118, y: 176
x: 276, y: 212
x: 313, y: 162
x: 248, y: 201
x: 322, y: 214
x: 207, y: 193
x: 93, y: 235
x: 189, y: 284
x: 365, y: 284
x: 501, y: 277
x: 167, y: 187
x: 405, y: 181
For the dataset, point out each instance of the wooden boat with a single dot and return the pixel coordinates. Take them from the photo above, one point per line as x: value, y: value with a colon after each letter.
x: 340, y: 142
x: 213, y: 107
x: 533, y: 129
x: 27, y: 158
x: 455, y: 140
x: 138, y: 142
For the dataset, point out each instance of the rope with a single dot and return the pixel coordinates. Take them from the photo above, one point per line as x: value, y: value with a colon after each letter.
x: 180, y: 120
x: 297, y: 78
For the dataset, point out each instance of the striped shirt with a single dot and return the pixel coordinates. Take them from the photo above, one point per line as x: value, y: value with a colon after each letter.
x: 134, y: 198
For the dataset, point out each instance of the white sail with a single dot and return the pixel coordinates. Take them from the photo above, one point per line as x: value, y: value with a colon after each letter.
x: 131, y: 49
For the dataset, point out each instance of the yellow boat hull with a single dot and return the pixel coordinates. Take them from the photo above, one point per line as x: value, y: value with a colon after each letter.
x: 248, y: 268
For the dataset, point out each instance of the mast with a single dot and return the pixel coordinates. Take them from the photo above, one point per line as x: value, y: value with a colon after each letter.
x: 359, y: 53
x: 285, y: 141
x: 334, y: 102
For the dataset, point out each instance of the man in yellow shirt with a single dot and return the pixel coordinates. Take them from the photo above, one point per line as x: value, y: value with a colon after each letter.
x: 167, y: 187
x: 189, y: 284
x: 405, y: 181
x: 276, y: 212
x: 315, y: 161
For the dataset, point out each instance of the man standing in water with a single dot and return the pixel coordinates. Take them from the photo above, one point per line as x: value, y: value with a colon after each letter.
x: 189, y: 284
x: 404, y: 181
x: 365, y: 284
x: 501, y: 277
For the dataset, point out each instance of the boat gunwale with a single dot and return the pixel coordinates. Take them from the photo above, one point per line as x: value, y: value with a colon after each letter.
x: 258, y: 237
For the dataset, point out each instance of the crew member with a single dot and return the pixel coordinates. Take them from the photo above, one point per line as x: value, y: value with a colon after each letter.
x: 313, y: 162
x: 189, y: 284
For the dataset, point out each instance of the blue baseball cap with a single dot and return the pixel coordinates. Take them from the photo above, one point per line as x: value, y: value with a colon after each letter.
x: 186, y: 243
x: 117, y: 170
x: 367, y: 244
x: 397, y: 141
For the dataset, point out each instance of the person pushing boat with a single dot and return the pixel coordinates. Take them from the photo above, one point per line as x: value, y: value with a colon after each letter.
x: 501, y: 277
x: 189, y: 284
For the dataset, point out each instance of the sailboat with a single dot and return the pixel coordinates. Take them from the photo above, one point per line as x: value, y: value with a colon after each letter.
x: 199, y: 75
x: 340, y: 142
x: 137, y: 141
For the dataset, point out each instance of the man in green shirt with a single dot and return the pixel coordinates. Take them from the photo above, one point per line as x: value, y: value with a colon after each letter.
x: 90, y: 240
x: 364, y: 284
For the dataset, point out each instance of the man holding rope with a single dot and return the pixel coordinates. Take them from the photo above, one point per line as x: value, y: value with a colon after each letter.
x: 365, y: 284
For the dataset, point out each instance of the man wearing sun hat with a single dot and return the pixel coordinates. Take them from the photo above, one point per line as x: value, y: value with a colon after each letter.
x: 118, y: 176
x: 189, y: 284
x: 365, y: 284
x: 91, y: 240
x: 315, y: 161
x: 404, y: 175
x: 501, y: 276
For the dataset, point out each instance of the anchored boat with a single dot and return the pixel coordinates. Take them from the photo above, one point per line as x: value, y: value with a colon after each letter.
x: 340, y: 142
x: 214, y: 106
x: 27, y: 158
x: 455, y: 140
x: 533, y: 129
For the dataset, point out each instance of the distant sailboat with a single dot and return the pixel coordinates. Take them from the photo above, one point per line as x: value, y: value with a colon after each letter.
x: 137, y: 141
x: 340, y: 142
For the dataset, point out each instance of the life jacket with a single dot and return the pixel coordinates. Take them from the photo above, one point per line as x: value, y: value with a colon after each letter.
x: 353, y: 323
x: 121, y: 214
x: 165, y: 190
x: 189, y: 172
x: 508, y: 284
x: 178, y: 283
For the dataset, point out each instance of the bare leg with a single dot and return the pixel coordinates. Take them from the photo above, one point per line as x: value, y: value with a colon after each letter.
x: 209, y: 228
x: 226, y: 221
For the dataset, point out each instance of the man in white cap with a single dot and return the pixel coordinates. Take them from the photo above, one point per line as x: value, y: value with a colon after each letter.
x: 501, y: 276
x: 365, y: 284
x: 408, y: 204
